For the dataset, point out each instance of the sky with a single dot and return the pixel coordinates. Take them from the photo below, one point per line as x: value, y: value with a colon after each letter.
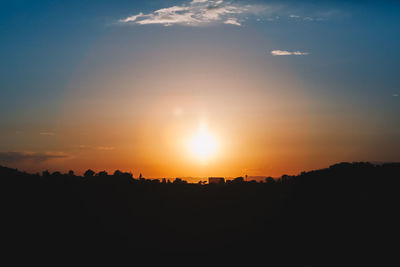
x: 198, y: 88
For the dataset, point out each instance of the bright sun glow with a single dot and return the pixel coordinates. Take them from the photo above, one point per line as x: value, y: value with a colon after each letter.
x: 202, y: 145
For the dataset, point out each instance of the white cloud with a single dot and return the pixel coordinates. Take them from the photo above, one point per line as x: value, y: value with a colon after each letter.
x: 395, y: 95
x: 132, y: 18
x: 205, y: 12
x: 288, y: 53
x: 232, y: 21
x: 196, y: 13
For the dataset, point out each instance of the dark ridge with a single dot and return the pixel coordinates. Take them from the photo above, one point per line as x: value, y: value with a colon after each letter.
x: 346, y: 210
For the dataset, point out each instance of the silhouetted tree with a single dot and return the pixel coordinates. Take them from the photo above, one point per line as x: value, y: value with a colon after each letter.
x: 56, y: 173
x: 71, y: 173
x: 238, y: 180
x: 269, y: 180
x: 89, y: 173
x: 284, y: 178
x: 179, y: 181
x: 46, y: 173
x: 102, y: 174
x: 118, y: 173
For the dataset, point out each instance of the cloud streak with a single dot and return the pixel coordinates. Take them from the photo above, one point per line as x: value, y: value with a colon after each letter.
x: 288, y: 53
x: 197, y: 13
x: 101, y: 148
x: 232, y: 21
x: 47, y: 133
x: 36, y: 157
x: 297, y: 17
x: 105, y: 148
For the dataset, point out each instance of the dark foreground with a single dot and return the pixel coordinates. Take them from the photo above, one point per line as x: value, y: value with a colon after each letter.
x: 346, y: 210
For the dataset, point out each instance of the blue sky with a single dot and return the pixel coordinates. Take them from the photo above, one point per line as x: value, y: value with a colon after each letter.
x: 343, y: 55
x: 355, y: 42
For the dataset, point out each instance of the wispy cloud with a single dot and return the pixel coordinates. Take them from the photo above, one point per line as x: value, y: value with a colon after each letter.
x: 105, y: 148
x: 102, y: 148
x: 37, y: 157
x: 232, y: 21
x: 288, y: 53
x: 206, y: 12
x: 47, y: 133
x: 307, y: 18
x: 395, y: 95
x: 197, y: 13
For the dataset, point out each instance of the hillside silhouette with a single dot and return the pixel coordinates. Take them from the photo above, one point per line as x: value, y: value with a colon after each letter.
x: 334, y: 212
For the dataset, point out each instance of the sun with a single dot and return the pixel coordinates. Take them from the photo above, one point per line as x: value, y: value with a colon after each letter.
x: 202, y: 145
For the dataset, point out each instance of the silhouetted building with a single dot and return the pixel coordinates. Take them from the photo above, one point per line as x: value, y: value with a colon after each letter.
x: 216, y: 180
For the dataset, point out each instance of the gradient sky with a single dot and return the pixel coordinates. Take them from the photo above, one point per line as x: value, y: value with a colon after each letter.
x: 282, y: 86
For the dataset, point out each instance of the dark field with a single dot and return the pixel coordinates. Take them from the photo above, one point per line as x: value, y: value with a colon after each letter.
x: 344, y: 210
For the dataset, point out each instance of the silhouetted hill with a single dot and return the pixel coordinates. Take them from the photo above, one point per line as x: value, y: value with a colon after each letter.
x: 346, y: 209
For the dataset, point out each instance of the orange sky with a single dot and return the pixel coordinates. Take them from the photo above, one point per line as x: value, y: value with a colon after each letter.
x: 134, y: 105
x: 263, y: 123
